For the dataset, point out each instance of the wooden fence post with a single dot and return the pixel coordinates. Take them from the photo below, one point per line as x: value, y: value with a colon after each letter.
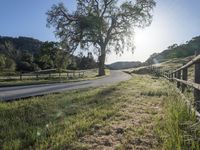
x: 83, y: 73
x: 179, y: 77
x: 37, y: 76
x: 172, y: 76
x: 20, y: 76
x: 59, y: 74
x: 197, y: 80
x: 184, y: 77
x: 73, y: 74
x: 175, y: 74
x: 79, y: 74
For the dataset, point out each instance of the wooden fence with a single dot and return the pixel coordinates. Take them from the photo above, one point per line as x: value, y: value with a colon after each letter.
x: 180, y: 75
x: 49, y: 73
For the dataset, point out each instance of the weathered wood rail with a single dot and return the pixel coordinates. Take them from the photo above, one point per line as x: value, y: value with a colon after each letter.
x: 48, y: 73
x: 180, y: 76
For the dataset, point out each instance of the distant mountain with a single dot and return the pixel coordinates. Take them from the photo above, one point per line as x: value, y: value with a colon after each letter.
x: 124, y: 65
x: 176, y: 51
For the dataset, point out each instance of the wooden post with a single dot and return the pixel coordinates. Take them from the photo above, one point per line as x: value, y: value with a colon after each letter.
x: 172, y: 76
x: 20, y: 76
x: 37, y: 76
x: 197, y: 80
x: 179, y: 77
x: 73, y: 74
x: 184, y: 77
x: 79, y: 74
x: 59, y: 74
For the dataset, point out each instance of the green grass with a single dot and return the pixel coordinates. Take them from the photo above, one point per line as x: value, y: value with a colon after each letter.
x: 142, y: 113
x: 179, y: 128
x: 54, y: 120
x: 59, y: 120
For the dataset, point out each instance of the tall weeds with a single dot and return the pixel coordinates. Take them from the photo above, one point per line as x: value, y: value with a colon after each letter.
x: 179, y: 128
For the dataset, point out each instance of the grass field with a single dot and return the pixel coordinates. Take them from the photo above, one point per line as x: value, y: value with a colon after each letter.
x: 142, y: 113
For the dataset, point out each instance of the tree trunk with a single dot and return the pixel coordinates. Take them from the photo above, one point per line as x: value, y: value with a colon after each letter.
x: 102, y: 62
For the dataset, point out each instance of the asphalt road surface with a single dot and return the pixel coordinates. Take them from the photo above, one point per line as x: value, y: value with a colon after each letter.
x: 17, y: 92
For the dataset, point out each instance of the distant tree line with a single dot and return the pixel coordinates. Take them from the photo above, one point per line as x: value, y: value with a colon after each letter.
x: 25, y: 54
x: 176, y: 51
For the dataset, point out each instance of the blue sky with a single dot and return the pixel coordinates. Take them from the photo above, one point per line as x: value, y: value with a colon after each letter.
x: 175, y: 21
x: 27, y: 18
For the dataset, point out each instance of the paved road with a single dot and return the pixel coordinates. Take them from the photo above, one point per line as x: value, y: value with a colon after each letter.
x: 17, y: 92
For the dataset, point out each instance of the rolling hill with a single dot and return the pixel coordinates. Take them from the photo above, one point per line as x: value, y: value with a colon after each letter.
x: 124, y: 65
x: 176, y: 51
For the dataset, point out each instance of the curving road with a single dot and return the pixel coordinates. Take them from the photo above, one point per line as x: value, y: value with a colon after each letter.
x: 17, y: 92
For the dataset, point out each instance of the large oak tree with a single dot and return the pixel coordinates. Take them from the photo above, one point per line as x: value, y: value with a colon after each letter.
x: 101, y: 25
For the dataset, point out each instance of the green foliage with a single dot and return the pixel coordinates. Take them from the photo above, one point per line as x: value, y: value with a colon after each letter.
x: 179, y: 129
x: 6, y: 64
x: 22, y: 43
x: 51, y: 56
x: 20, y: 51
x: 86, y: 62
x: 27, y: 55
x: 158, y: 93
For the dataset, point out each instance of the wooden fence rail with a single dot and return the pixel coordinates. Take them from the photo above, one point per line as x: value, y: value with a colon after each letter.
x: 180, y: 75
x: 49, y: 73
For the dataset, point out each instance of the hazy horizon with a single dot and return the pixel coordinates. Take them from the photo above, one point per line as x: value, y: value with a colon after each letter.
x: 174, y: 21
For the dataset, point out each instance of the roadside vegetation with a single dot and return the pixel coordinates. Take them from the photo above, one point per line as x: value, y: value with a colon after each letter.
x: 142, y: 113
x: 115, y: 116
x: 179, y: 128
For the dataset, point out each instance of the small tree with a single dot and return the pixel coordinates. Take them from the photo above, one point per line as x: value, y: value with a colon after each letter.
x: 105, y: 25
x: 51, y: 56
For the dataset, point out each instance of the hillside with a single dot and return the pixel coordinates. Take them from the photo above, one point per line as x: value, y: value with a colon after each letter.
x: 124, y: 65
x: 28, y: 44
x: 176, y: 51
x: 173, y: 57
x: 25, y: 54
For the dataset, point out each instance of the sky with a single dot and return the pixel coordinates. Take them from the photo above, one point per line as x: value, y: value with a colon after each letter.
x: 174, y: 21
